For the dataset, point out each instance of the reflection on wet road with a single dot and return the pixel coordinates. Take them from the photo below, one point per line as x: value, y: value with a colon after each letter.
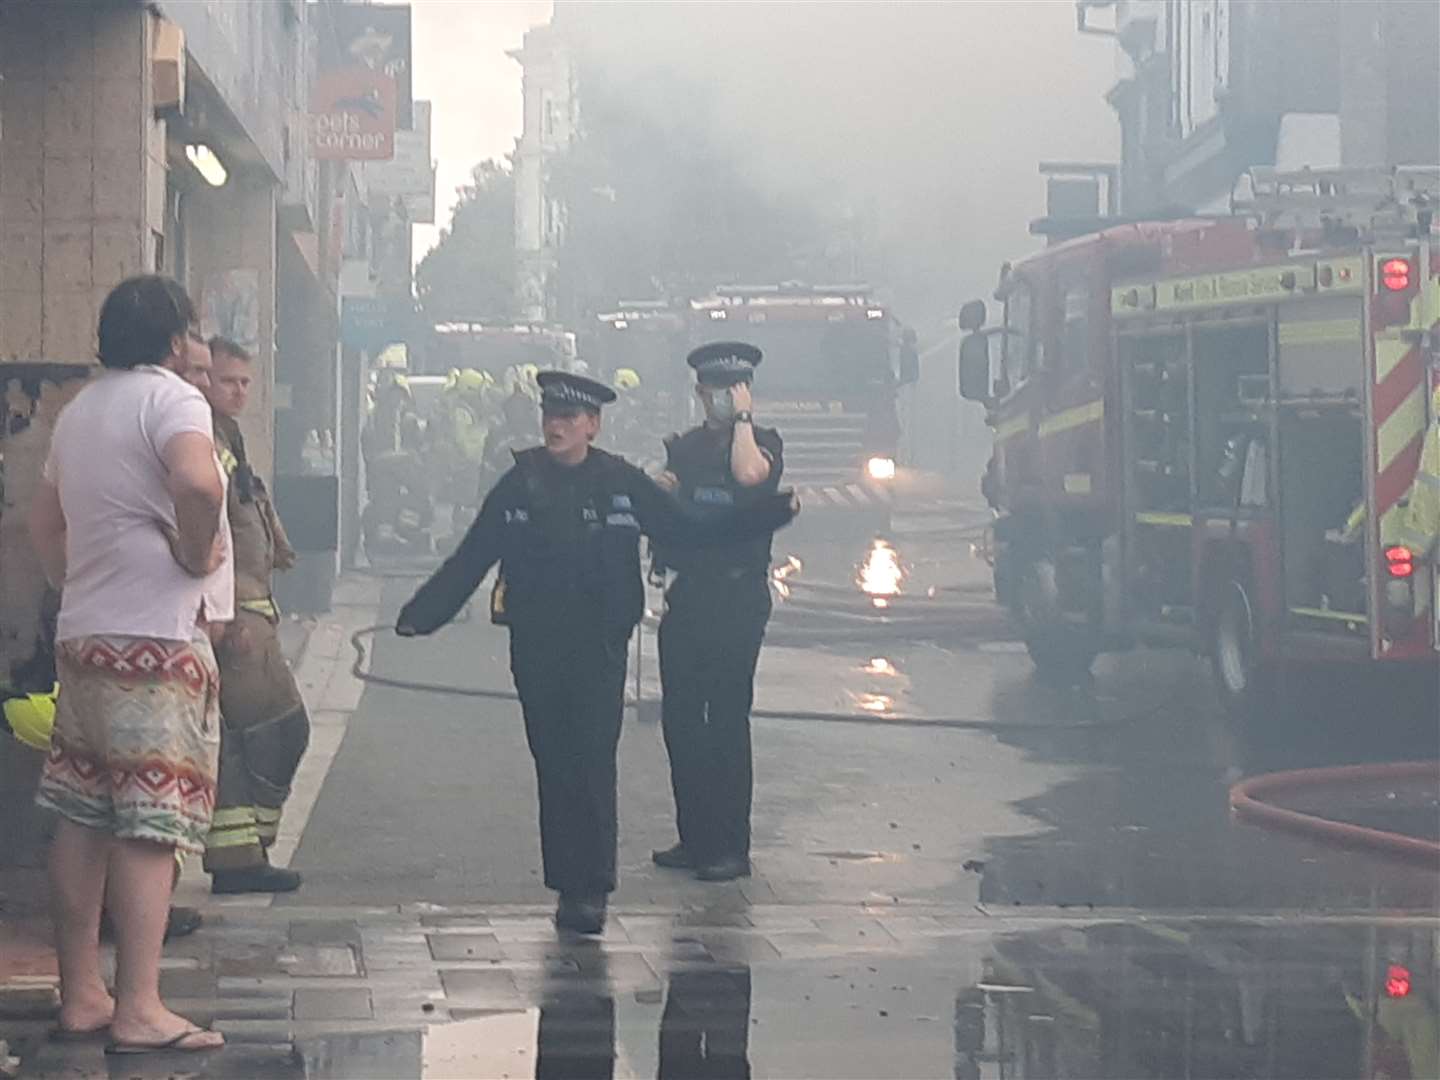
x: 1230, y: 999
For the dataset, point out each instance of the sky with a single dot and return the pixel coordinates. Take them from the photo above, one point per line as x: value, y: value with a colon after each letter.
x: 460, y: 64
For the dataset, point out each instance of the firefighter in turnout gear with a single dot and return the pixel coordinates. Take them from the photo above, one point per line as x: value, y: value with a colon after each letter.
x: 715, y: 615
x: 265, y: 728
x: 565, y: 523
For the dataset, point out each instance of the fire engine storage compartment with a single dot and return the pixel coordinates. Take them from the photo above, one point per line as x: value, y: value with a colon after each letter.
x: 1155, y: 367
x: 1321, y: 424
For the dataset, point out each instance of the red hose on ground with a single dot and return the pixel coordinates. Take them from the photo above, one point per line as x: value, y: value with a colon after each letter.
x: 1246, y: 803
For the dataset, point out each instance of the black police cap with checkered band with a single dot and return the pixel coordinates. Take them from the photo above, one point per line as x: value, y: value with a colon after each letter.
x: 724, y: 363
x: 564, y: 390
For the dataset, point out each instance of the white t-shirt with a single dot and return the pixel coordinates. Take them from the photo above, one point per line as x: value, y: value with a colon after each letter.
x: 106, y: 462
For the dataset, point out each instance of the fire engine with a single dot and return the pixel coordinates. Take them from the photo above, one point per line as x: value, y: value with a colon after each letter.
x: 1209, y: 432
x: 829, y: 382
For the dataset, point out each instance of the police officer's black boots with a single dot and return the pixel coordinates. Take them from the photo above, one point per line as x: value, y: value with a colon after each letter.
x: 581, y: 913
x: 673, y: 858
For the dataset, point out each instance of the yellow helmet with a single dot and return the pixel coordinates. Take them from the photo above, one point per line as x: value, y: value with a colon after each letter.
x: 626, y: 379
x: 471, y: 380
x: 32, y: 718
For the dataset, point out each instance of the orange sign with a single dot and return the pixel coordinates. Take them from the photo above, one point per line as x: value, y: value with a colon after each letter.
x: 352, y: 116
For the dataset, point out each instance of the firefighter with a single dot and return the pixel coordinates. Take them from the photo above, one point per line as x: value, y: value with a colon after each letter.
x: 564, y: 523
x: 265, y: 728
x: 715, y: 615
x: 396, y: 482
x: 1417, y: 523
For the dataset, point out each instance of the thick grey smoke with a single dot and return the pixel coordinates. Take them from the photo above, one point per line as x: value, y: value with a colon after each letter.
x: 923, y: 123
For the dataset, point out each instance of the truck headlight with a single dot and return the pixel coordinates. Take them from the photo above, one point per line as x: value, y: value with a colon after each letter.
x: 880, y: 468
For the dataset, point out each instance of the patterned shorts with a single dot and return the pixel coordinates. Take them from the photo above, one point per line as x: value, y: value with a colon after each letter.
x: 137, y: 738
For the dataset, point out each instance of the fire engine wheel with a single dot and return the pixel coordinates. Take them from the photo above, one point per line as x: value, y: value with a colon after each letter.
x: 1245, y: 682
x: 1059, y: 649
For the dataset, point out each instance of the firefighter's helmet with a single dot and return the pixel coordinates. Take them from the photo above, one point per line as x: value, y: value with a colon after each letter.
x: 472, y: 381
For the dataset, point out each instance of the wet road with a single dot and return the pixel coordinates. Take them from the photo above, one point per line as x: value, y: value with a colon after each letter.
x: 960, y: 870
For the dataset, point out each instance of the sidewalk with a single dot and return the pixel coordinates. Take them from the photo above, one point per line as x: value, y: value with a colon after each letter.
x: 318, y: 650
x: 799, y: 990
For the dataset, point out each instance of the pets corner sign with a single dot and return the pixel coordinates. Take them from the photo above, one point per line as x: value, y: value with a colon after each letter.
x: 352, y: 116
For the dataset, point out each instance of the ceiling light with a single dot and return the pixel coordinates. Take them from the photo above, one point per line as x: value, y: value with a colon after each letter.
x: 210, y: 167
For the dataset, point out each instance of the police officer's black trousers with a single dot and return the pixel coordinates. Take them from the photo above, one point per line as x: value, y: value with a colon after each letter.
x: 709, y: 644
x: 572, y: 691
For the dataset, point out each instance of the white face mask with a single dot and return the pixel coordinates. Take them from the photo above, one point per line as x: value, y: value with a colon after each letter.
x: 720, y: 406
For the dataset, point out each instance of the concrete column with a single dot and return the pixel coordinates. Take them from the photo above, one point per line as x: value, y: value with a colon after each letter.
x: 82, y: 173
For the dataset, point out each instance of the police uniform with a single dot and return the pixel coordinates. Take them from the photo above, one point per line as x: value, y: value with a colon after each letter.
x: 710, y: 636
x: 569, y: 588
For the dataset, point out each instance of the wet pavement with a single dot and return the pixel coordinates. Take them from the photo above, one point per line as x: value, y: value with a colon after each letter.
x: 960, y: 872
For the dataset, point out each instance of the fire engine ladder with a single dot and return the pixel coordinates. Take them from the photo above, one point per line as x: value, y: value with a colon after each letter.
x: 1373, y: 201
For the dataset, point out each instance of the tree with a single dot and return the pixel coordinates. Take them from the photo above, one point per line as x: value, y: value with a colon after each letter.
x: 657, y: 205
x: 469, y: 276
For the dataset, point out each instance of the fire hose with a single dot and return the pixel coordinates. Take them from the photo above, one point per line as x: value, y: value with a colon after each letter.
x: 954, y: 723
x: 1248, y: 804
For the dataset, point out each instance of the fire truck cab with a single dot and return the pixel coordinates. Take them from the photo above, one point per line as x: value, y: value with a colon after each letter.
x: 1210, y: 432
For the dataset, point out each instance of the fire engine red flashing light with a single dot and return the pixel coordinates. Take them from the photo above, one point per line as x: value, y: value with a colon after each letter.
x: 1400, y: 561
x: 1395, y: 275
x: 1397, y: 981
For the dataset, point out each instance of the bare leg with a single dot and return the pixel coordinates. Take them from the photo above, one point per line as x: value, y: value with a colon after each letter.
x: 142, y: 875
x: 78, y: 858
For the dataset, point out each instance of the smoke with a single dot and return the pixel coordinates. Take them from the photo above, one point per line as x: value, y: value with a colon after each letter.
x: 918, y: 125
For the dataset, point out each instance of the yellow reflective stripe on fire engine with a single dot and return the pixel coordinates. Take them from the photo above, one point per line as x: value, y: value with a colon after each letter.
x: 1326, y: 613
x: 1400, y: 427
x: 1320, y: 332
x: 261, y: 607
x: 1172, y: 521
x: 1008, y: 429
x: 1079, y: 416
x: 1390, y: 349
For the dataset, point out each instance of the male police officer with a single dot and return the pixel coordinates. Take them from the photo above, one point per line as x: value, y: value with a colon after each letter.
x: 715, y: 615
x: 565, y: 524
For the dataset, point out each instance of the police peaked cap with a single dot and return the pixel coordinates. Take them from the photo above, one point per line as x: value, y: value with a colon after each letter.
x: 724, y: 363
x: 564, y: 390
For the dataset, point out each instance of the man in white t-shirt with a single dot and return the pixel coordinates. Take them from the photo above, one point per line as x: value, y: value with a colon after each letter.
x: 129, y: 524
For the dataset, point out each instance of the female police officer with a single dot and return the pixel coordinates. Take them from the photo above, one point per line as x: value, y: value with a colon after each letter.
x: 565, y: 524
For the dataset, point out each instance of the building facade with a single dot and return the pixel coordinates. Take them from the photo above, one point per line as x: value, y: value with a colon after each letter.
x: 549, y: 125
x: 136, y: 137
x: 1214, y: 87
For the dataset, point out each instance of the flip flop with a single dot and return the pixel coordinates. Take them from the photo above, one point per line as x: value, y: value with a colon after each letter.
x: 178, y: 1043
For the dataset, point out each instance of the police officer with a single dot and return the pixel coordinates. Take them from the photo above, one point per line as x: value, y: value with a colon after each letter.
x: 565, y: 524
x: 715, y: 615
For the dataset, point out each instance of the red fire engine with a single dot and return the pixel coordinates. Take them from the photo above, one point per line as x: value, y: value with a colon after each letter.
x: 1208, y: 432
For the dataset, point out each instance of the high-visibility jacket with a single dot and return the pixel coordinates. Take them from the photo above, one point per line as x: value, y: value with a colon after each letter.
x: 31, y: 718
